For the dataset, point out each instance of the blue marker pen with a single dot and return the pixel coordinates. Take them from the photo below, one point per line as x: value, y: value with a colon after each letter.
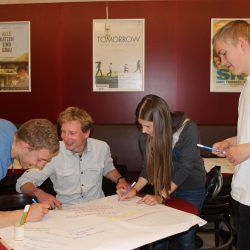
x: 209, y: 148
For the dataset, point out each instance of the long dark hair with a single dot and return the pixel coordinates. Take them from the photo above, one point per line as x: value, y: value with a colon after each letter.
x: 159, y: 146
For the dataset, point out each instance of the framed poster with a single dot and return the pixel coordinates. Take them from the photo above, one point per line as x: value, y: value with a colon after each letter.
x: 15, y: 57
x: 221, y: 80
x: 118, y: 55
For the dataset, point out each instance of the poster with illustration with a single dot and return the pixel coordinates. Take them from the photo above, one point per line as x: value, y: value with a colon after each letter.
x: 221, y: 79
x: 118, y: 55
x: 15, y: 57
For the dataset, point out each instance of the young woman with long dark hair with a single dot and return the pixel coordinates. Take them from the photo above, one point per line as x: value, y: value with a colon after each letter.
x: 172, y: 162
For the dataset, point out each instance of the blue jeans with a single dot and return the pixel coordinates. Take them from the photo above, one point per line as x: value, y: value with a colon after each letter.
x: 185, y: 240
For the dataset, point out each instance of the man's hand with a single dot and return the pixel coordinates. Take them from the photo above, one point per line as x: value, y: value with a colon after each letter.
x: 238, y: 153
x: 47, y: 198
x: 37, y: 211
x: 224, y: 146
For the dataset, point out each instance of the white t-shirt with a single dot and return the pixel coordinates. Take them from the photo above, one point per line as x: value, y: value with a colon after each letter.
x: 241, y: 179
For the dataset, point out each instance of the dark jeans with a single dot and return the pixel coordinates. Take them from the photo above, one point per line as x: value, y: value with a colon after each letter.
x: 185, y: 240
x: 242, y: 213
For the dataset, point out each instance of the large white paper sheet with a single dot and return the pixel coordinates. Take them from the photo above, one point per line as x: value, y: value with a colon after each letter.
x: 102, y: 224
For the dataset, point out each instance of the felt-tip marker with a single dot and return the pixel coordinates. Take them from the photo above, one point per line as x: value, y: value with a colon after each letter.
x: 24, y: 214
x: 209, y: 148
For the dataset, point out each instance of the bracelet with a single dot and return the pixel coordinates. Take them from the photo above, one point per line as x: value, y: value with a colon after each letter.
x: 121, y: 177
x: 134, y: 189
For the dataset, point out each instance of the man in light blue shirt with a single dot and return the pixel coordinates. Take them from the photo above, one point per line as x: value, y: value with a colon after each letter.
x: 77, y: 171
x: 33, y: 145
x: 7, y: 131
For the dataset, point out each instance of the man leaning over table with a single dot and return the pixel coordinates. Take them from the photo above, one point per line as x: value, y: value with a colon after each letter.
x: 77, y: 171
x: 33, y: 145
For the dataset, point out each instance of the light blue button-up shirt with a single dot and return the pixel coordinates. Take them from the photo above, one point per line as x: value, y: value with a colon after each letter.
x: 7, y: 131
x: 74, y: 179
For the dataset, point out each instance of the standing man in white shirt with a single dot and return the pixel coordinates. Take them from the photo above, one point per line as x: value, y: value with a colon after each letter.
x: 232, y: 44
x: 77, y: 171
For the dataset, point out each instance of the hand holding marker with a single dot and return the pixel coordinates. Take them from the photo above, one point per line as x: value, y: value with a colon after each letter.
x: 212, y: 149
x: 127, y: 191
x: 25, y: 213
x: 129, y: 188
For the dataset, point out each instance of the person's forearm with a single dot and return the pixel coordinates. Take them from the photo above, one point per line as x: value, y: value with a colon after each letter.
x: 113, y: 175
x: 140, y: 184
x: 247, y: 147
x: 173, y: 187
x: 30, y: 189
x: 9, y: 218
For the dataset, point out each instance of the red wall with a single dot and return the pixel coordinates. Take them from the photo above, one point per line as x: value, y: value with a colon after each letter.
x: 177, y: 60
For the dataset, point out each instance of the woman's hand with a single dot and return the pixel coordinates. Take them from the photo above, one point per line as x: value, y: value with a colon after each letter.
x: 124, y: 195
x: 121, y: 188
x: 151, y: 199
